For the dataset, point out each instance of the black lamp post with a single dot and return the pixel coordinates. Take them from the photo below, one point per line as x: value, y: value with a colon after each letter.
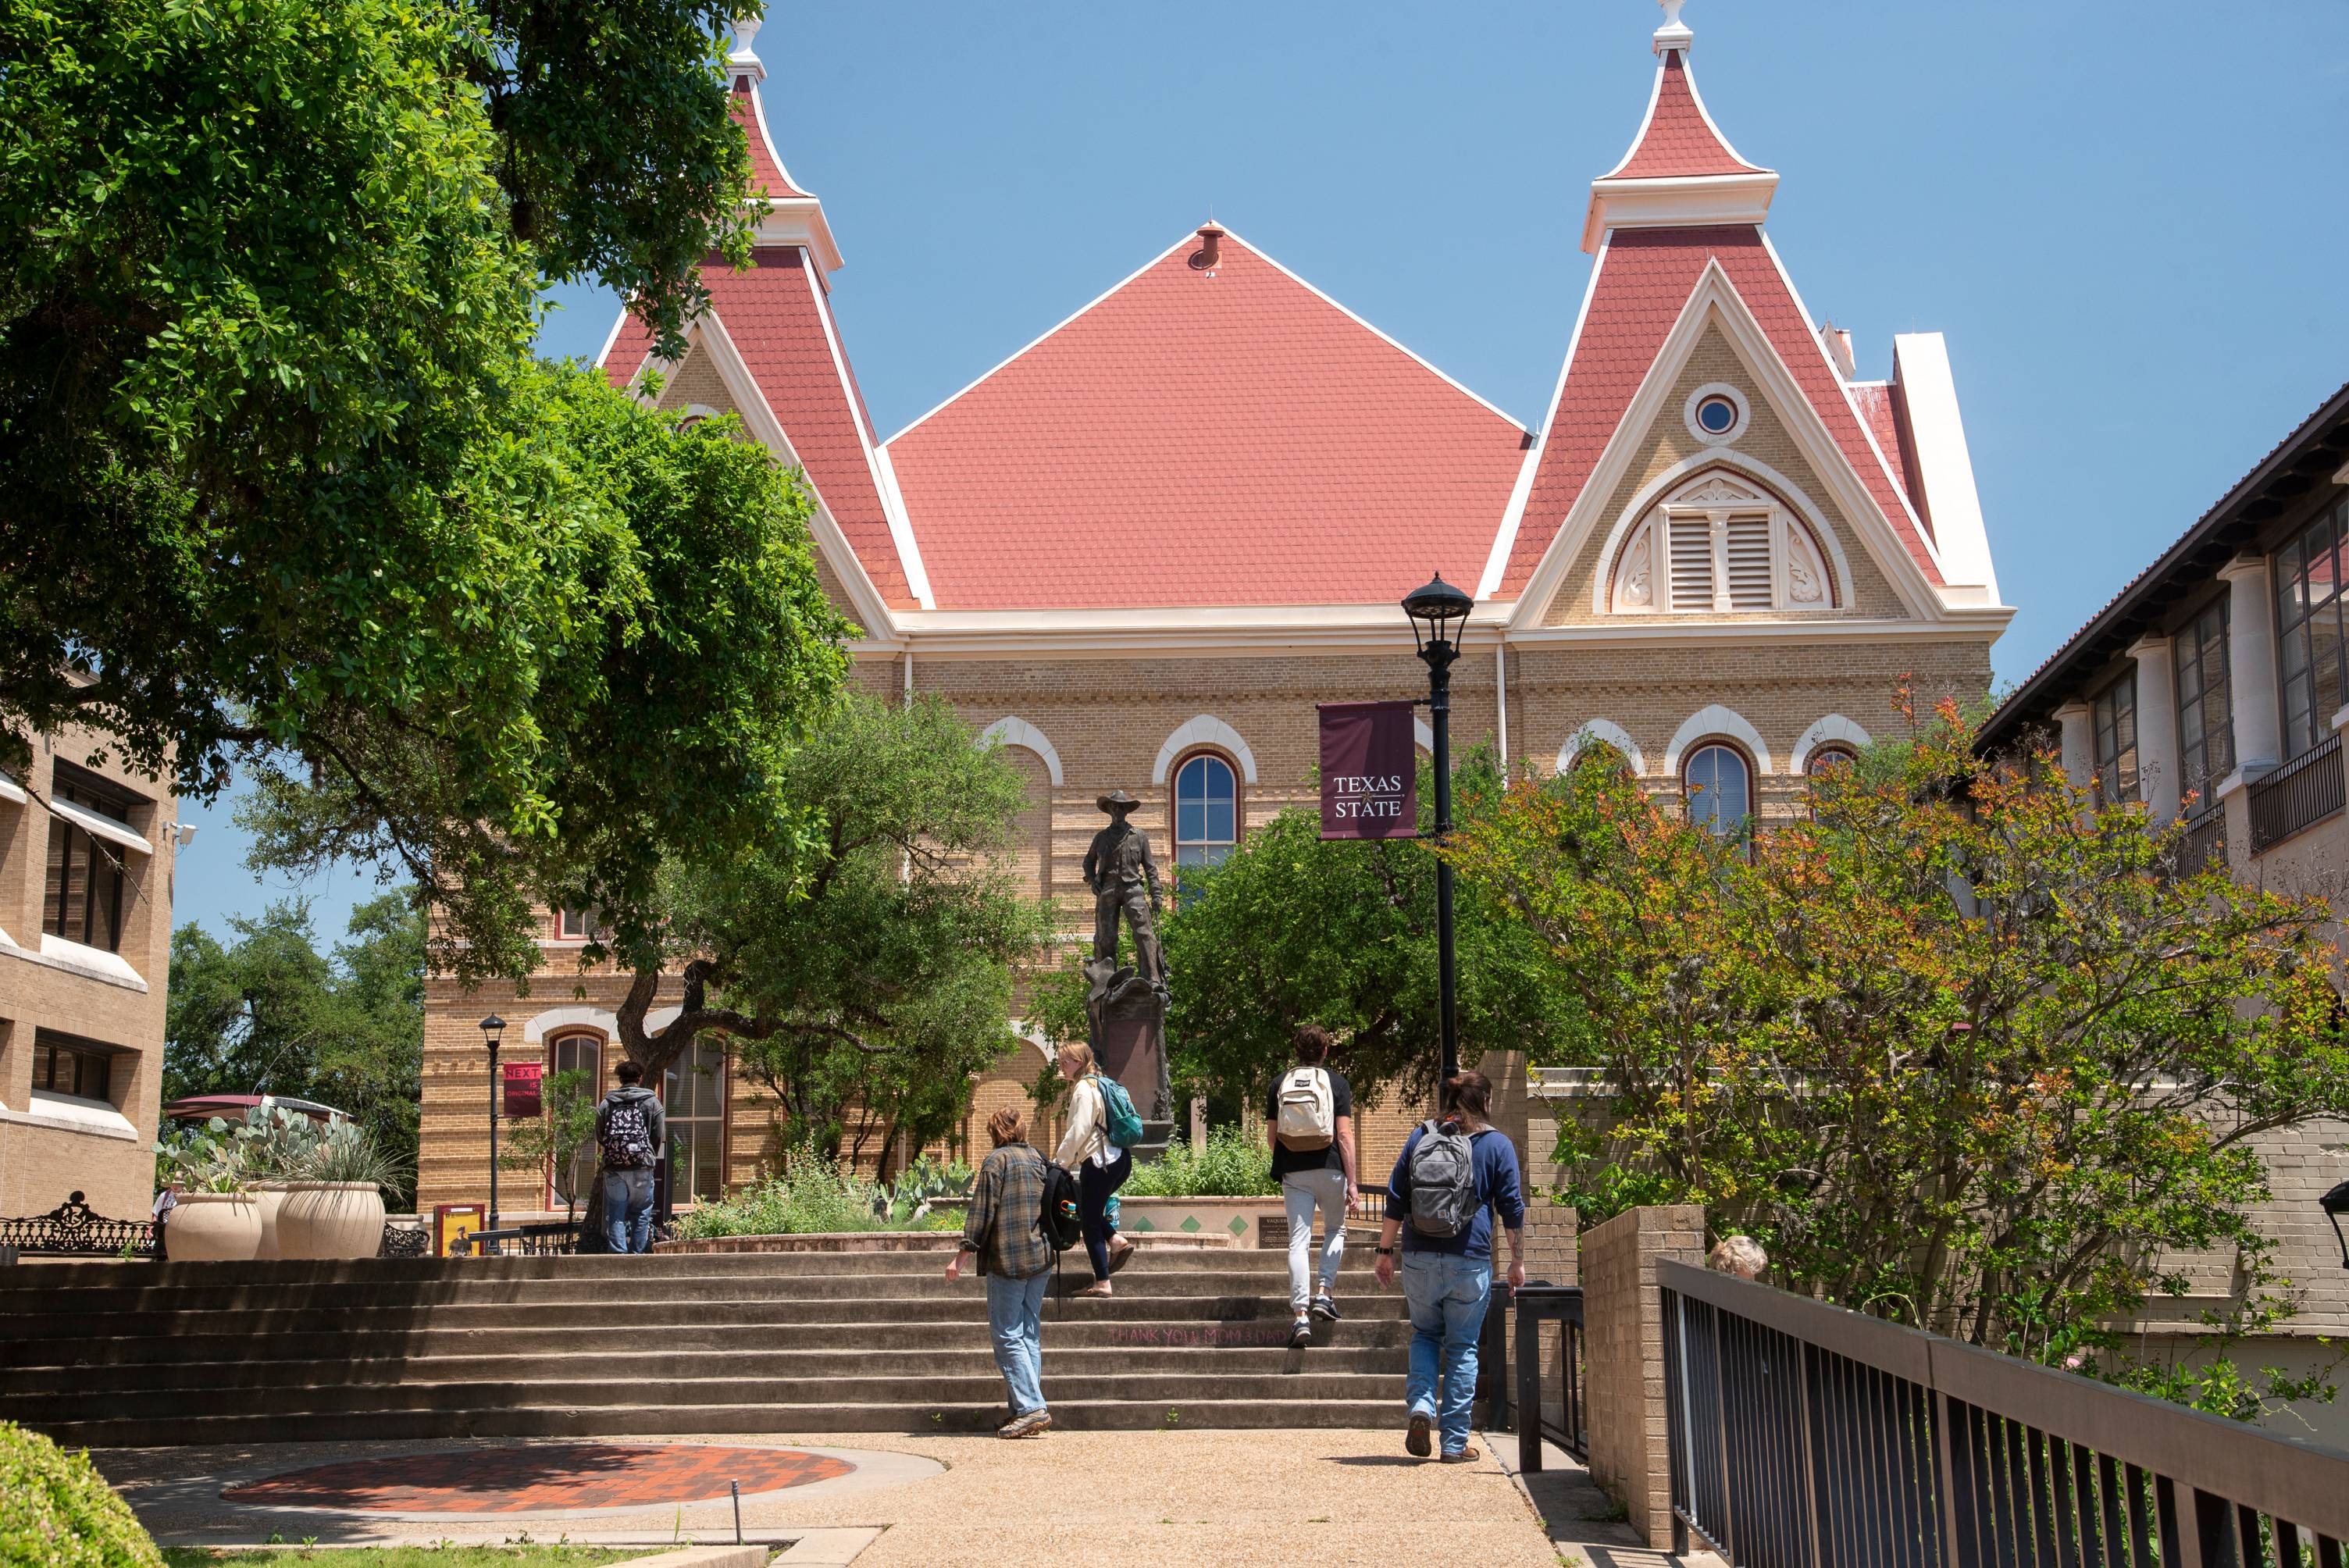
x: 493, y: 1029
x: 2336, y: 1203
x: 1438, y: 614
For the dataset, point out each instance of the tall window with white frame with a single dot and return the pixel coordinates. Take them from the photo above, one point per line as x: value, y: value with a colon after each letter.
x: 693, y: 1093
x: 82, y: 899
x: 1207, y: 813
x: 1720, y: 787
x: 2113, y: 722
x: 2308, y: 572
x: 576, y: 1053
x: 2206, y: 718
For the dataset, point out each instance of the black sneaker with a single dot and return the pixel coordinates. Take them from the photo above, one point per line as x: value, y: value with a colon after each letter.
x: 1415, y: 1442
x: 1300, y: 1334
x: 1324, y: 1308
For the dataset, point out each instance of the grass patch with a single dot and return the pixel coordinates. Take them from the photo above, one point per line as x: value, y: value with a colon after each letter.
x: 446, y: 1555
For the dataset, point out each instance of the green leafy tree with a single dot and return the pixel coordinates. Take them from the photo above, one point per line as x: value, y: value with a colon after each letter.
x: 554, y: 1141
x: 1954, y: 1054
x: 865, y: 970
x: 1291, y: 929
x: 269, y: 1013
x: 281, y: 481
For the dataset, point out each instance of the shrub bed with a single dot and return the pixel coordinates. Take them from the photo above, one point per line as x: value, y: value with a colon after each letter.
x: 55, y: 1510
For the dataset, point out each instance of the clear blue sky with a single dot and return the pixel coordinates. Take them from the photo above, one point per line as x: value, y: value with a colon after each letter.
x: 2128, y: 219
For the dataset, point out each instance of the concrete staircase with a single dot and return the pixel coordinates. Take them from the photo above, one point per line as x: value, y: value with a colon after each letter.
x: 120, y: 1354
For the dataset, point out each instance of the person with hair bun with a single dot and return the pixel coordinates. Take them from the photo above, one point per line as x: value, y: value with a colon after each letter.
x: 1101, y: 1166
x: 1004, y: 1226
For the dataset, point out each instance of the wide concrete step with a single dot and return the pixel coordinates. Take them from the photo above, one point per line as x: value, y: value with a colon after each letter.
x: 1087, y: 1414
x: 23, y: 1357
x: 1334, y: 1351
x: 845, y: 1311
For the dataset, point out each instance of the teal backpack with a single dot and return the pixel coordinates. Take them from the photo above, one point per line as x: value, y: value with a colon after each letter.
x: 1117, y: 1110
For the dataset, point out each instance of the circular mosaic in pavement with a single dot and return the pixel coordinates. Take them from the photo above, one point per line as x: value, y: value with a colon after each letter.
x: 540, y: 1477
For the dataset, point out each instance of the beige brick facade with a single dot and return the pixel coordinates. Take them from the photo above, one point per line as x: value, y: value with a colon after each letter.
x: 1624, y: 1349
x: 101, y: 996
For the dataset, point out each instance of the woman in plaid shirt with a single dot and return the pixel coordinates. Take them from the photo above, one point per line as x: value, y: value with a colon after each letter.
x: 1004, y: 1227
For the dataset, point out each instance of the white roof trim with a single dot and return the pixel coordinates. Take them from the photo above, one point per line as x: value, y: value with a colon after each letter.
x: 1715, y: 720
x: 98, y: 826
x: 12, y: 791
x: 1204, y: 731
x: 1611, y: 734
x: 1021, y: 733
x: 612, y: 337
x: 1696, y: 97
x: 751, y: 402
x: 1834, y: 728
x: 1646, y: 117
x: 901, y: 531
x: 1945, y: 466
x: 1504, y: 543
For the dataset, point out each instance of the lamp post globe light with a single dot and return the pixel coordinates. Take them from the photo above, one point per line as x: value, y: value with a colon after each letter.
x: 493, y: 1029
x: 1439, y: 613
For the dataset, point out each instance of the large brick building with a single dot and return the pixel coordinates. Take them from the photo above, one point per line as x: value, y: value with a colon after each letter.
x: 1720, y: 551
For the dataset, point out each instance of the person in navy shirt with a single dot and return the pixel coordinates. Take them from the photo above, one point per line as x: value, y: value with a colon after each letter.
x: 1448, y: 1280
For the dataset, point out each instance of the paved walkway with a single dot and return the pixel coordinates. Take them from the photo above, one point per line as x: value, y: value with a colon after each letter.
x: 1073, y: 1499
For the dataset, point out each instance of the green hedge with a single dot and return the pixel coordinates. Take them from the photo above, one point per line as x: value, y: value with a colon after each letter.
x: 55, y: 1510
x: 1230, y: 1164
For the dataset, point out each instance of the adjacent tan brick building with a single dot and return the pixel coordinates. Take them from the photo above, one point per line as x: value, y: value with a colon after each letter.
x: 1138, y: 552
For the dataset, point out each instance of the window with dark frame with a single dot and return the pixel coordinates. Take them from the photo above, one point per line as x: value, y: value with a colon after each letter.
x: 572, y: 1054
x: 82, y: 898
x: 1720, y: 789
x: 576, y: 925
x: 67, y: 1064
x: 2113, y: 723
x: 693, y: 1093
x: 1828, y: 758
x: 2310, y: 658
x: 2206, y: 715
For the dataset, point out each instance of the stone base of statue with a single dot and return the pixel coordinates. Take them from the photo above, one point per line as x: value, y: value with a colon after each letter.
x: 1129, y: 1042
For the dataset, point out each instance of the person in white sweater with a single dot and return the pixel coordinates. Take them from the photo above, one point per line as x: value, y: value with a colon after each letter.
x: 1101, y: 1166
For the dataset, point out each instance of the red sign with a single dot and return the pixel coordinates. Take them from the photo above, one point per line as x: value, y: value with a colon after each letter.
x: 521, y: 1088
x: 1370, y: 772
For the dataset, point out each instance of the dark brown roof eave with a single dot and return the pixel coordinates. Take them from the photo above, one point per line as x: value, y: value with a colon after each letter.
x: 2222, y: 532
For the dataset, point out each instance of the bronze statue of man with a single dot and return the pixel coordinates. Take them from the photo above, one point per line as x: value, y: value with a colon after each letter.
x: 1124, y: 881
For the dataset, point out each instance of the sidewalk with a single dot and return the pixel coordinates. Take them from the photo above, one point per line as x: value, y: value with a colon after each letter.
x: 1584, y: 1524
x: 1072, y: 1499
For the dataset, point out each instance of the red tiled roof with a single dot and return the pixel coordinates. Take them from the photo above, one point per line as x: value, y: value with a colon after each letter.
x: 623, y: 356
x: 1880, y: 406
x: 1643, y: 279
x: 1205, y: 439
x: 1677, y: 141
x: 766, y: 169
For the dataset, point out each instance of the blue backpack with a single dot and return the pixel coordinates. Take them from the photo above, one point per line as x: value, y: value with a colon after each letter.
x: 1124, y: 1122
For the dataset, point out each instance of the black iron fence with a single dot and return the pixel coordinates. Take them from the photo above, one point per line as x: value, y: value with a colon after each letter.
x: 553, y: 1239
x: 2300, y: 794
x: 74, y: 1230
x: 1549, y: 1398
x: 1804, y: 1435
x: 2202, y: 841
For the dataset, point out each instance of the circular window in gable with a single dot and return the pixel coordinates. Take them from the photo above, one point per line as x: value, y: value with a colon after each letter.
x: 1716, y: 413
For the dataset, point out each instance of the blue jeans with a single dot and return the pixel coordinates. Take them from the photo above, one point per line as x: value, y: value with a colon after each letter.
x: 1015, y: 1316
x: 1447, y: 1297
x: 628, y: 1210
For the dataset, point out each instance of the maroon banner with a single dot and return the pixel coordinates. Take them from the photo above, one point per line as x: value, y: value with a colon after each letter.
x: 1370, y: 772
x: 521, y: 1088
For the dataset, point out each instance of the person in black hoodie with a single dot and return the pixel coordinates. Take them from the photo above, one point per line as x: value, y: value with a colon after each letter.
x: 633, y: 1129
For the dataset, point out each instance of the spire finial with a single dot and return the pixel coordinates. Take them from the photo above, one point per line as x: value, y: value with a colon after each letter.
x: 1674, y: 34
x: 744, y: 60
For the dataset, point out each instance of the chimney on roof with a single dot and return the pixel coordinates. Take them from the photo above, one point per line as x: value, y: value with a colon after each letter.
x: 1211, y: 240
x: 1838, y: 346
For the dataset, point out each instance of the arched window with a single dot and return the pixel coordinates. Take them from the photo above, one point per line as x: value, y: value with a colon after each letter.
x: 576, y: 1052
x: 1206, y: 812
x: 1828, y: 760
x: 1721, y: 543
x: 1719, y: 789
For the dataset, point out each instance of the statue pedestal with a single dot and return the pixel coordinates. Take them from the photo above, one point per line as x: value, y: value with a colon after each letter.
x: 1133, y: 1050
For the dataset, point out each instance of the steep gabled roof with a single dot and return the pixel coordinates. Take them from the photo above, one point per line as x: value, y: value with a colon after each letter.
x: 1678, y: 140
x: 1205, y: 436
x: 1643, y: 279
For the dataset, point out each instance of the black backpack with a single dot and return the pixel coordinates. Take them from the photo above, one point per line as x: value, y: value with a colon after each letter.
x: 627, y: 1136
x: 1057, y: 1220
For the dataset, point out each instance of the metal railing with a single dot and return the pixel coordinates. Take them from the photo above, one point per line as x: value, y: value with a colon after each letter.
x: 1550, y: 1406
x: 2300, y: 794
x: 555, y: 1239
x: 74, y: 1230
x: 1804, y: 1435
x: 2202, y: 841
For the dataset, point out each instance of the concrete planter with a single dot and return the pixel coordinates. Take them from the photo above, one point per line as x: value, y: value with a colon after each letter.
x: 330, y: 1220
x: 1237, y: 1222
x: 213, y: 1228
x: 270, y: 1196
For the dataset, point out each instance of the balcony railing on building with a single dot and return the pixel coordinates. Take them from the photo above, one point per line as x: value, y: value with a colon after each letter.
x: 2297, y: 795
x: 2202, y: 841
x: 1804, y: 1436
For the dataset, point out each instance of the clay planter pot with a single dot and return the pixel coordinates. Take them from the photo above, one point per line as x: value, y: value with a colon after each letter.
x: 330, y: 1220
x: 270, y: 1196
x: 213, y: 1228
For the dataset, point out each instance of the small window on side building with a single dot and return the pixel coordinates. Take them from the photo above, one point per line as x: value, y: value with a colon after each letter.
x: 2113, y: 725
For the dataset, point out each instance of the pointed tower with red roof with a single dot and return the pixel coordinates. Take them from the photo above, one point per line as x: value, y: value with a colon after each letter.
x: 1696, y: 380
x: 770, y: 350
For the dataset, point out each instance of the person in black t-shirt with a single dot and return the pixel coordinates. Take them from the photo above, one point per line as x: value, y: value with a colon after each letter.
x: 1309, y: 1119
